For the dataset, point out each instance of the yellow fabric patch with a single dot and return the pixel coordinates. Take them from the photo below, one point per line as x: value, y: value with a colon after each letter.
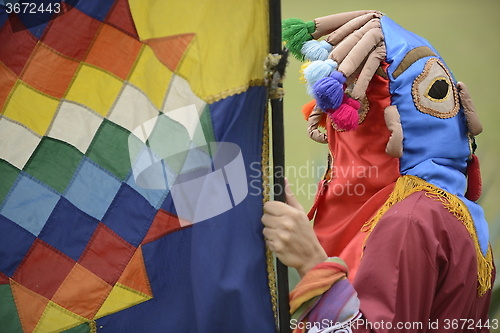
x: 31, y: 108
x: 94, y: 88
x: 151, y: 76
x: 121, y: 297
x: 231, y: 51
x: 57, y: 319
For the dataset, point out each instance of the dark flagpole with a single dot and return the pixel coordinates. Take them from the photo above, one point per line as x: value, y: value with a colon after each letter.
x: 275, y: 47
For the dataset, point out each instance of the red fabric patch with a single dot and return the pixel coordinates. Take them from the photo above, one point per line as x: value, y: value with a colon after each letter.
x: 49, y: 72
x: 16, y: 43
x: 7, y: 81
x: 4, y: 279
x: 135, y: 275
x: 164, y: 223
x: 82, y: 292
x: 170, y: 50
x: 71, y: 33
x: 43, y: 269
x: 120, y: 17
x: 30, y: 306
x: 107, y: 254
x: 114, y: 51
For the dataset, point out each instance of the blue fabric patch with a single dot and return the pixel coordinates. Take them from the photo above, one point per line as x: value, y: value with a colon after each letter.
x: 168, y: 204
x: 29, y: 203
x: 72, y: 236
x: 35, y: 15
x: 173, y: 304
x: 130, y: 215
x: 399, y: 41
x: 154, y: 196
x: 3, y: 16
x: 14, y: 244
x: 38, y: 30
x: 212, y: 276
x: 92, y: 189
x: 97, y: 9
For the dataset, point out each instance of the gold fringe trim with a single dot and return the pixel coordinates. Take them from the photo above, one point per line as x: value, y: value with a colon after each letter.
x: 92, y: 326
x: 272, y: 79
x: 266, y: 190
x: 407, y: 185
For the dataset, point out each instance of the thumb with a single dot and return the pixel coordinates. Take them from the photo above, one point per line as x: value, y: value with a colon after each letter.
x: 291, y: 200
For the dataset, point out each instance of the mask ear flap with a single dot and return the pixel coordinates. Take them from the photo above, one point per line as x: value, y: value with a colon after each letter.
x: 394, y: 146
x: 473, y: 123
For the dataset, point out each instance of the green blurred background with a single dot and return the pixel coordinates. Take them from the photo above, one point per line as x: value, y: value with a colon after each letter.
x: 467, y: 36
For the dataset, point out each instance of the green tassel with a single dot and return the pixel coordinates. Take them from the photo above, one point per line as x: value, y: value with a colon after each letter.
x: 295, y: 33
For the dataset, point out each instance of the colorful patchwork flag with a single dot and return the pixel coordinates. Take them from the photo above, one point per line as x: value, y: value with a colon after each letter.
x: 131, y: 150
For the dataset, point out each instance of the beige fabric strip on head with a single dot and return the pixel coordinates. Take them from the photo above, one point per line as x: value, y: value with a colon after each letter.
x: 412, y: 56
x: 342, y: 32
x: 360, y: 51
x: 339, y: 53
x: 394, y: 146
x: 326, y: 24
x: 371, y: 66
x: 473, y: 123
x: 312, y: 128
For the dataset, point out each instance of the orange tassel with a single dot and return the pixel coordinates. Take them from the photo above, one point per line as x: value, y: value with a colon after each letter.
x: 307, y: 110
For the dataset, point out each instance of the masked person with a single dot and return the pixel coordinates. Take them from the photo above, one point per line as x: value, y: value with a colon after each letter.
x: 399, y: 243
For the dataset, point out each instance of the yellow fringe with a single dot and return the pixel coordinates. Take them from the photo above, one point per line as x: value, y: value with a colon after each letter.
x: 302, y: 77
x: 271, y: 274
x: 407, y: 185
x: 92, y: 326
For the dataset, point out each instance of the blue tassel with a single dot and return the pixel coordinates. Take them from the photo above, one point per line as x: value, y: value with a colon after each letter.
x: 314, y: 50
x: 316, y: 71
x: 329, y: 91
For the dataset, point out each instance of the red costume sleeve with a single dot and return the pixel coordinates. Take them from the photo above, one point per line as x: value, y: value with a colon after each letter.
x: 420, y: 268
x: 418, y: 274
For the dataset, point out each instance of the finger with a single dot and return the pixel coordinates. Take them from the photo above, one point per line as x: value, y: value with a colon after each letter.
x: 269, y: 233
x: 290, y: 197
x: 276, y: 208
x: 270, y: 245
x: 270, y: 221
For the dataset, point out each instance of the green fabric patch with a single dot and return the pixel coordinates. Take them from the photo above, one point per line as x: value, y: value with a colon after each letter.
x: 9, y: 319
x: 206, y: 124
x: 54, y: 162
x: 9, y: 174
x: 175, y: 151
x: 83, y: 328
x: 109, y: 149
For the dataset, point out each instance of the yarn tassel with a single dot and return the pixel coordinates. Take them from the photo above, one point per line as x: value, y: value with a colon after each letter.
x: 308, y: 108
x: 302, y: 70
x: 315, y: 50
x: 295, y: 33
x: 329, y: 91
x: 317, y: 70
x: 474, y: 182
x: 346, y: 117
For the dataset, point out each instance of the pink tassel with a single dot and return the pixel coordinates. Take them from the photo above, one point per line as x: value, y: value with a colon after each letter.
x: 346, y: 117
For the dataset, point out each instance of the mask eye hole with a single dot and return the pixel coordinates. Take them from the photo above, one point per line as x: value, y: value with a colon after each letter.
x: 438, y: 90
x: 433, y: 91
